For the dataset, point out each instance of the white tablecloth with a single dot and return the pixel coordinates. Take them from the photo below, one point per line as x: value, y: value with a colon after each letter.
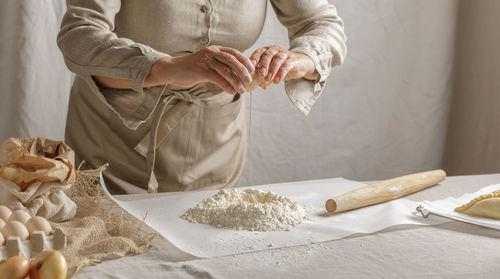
x: 451, y: 250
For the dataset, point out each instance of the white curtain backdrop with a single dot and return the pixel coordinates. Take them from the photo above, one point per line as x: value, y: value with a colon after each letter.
x: 473, y: 141
x: 34, y: 81
x: 383, y: 113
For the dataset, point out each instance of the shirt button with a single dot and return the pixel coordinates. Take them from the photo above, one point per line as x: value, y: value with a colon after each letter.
x: 204, y: 40
x: 205, y: 8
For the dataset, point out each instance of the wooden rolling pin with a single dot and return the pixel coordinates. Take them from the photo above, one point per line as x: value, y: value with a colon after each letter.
x: 385, y: 191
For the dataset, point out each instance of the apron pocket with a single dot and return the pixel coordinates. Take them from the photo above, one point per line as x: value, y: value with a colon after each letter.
x: 217, y: 148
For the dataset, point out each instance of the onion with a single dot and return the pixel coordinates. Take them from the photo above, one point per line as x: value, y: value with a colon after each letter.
x: 49, y: 264
x: 14, y: 268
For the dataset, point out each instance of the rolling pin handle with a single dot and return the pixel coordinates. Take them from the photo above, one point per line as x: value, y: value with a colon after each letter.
x: 331, y: 205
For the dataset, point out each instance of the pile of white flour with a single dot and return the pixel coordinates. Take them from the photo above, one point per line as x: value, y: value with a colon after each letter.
x: 250, y: 209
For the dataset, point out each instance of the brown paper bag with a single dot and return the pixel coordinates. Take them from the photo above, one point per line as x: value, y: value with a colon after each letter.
x: 29, y: 160
x: 34, y: 173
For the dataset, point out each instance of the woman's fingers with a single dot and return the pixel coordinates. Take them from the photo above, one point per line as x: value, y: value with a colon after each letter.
x: 265, y: 60
x: 230, y: 69
x: 236, y: 66
x: 227, y: 73
x: 255, y: 57
x: 286, y: 67
x: 241, y: 57
x: 214, y: 77
x: 275, y: 65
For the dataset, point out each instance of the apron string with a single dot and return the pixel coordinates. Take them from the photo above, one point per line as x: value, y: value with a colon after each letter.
x: 151, y: 139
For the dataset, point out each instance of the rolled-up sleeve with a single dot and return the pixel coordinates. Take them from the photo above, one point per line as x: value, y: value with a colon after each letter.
x: 91, y: 48
x: 315, y: 29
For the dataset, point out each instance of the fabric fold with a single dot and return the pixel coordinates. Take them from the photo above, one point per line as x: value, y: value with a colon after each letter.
x: 314, y: 29
x: 91, y: 48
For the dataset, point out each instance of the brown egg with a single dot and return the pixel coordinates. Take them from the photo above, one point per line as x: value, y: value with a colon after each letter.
x: 15, y: 228
x: 37, y: 223
x: 20, y: 215
x: 2, y: 223
x: 5, y: 213
x: 2, y: 240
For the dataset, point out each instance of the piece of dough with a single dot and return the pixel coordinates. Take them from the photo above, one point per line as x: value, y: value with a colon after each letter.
x: 483, y: 206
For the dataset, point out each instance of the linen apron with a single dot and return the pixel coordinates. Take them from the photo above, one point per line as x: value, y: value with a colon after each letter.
x: 200, y: 140
x: 167, y: 138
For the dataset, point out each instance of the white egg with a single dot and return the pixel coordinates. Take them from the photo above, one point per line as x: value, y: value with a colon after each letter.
x: 2, y: 240
x: 2, y: 223
x: 38, y: 223
x: 5, y: 213
x: 15, y: 228
x: 20, y: 215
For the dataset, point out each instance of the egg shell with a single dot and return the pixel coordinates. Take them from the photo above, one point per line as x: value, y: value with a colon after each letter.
x: 15, y: 228
x: 37, y: 223
x: 20, y: 215
x: 2, y: 223
x: 5, y: 213
x: 2, y: 240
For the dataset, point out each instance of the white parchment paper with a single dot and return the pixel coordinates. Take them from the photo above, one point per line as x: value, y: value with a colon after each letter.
x: 201, y: 240
x: 446, y: 207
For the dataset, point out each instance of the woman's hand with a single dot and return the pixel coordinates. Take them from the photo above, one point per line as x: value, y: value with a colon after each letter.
x: 277, y: 64
x: 224, y: 66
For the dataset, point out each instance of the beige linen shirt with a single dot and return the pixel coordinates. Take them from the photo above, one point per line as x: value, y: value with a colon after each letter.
x: 167, y: 138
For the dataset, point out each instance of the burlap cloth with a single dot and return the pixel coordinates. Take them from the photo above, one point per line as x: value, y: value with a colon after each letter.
x: 100, y: 229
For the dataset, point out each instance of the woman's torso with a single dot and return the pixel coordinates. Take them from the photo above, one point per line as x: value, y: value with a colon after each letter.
x: 182, y: 26
x: 209, y: 154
